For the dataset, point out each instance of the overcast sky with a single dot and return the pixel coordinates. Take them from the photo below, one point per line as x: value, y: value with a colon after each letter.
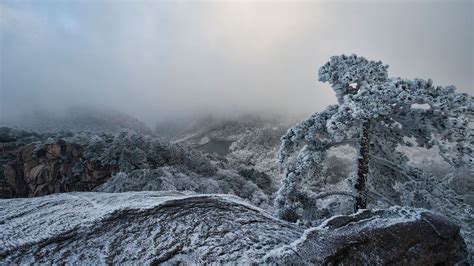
x: 162, y: 59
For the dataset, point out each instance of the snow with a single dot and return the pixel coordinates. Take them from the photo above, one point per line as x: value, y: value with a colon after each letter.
x: 175, y: 227
x: 183, y: 139
x: 320, y: 242
x: 423, y: 106
x: 137, y: 227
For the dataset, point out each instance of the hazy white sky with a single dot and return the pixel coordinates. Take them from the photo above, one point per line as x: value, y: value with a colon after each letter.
x: 158, y: 59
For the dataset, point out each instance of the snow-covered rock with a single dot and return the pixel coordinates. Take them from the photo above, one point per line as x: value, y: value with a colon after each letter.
x: 394, y: 236
x: 173, y: 227
x: 138, y: 227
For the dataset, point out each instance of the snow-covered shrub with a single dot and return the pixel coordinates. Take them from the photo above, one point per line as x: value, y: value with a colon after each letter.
x: 131, y: 151
x: 257, y: 149
x: 181, y: 178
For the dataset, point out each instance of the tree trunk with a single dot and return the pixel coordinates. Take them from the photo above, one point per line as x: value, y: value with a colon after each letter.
x: 363, y: 168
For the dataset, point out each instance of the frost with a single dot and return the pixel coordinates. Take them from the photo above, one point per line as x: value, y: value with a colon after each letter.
x: 375, y: 114
x: 424, y: 106
x: 137, y: 228
x: 181, y: 228
x: 179, y: 178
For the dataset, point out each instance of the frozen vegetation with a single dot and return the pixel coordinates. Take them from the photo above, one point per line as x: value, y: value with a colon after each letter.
x: 248, y: 189
x: 135, y: 162
x: 379, y: 116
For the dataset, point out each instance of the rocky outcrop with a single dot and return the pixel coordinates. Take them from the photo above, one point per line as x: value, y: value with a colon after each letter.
x: 56, y: 162
x: 395, y: 236
x: 173, y: 227
x: 138, y: 227
x: 29, y: 170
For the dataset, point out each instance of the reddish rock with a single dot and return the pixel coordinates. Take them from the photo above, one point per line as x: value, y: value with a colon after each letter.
x: 29, y: 171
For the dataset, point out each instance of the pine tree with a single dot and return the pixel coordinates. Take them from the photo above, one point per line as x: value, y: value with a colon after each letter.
x: 376, y: 114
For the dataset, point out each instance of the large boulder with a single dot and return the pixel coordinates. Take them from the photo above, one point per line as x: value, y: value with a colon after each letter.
x: 394, y: 236
x: 173, y: 227
x: 138, y: 227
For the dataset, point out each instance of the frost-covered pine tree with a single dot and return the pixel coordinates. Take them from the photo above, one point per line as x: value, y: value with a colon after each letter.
x: 376, y: 114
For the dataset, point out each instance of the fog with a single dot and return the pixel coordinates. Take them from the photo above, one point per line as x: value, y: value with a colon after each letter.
x: 163, y: 60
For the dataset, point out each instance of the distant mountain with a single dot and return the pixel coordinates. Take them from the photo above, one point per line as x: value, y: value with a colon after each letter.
x: 91, y: 119
x: 249, y: 141
x: 201, y: 130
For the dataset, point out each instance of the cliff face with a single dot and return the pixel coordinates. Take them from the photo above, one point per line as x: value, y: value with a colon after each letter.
x: 173, y: 227
x: 29, y: 171
x: 36, y: 165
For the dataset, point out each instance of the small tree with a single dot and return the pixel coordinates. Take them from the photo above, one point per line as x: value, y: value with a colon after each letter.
x: 376, y: 114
